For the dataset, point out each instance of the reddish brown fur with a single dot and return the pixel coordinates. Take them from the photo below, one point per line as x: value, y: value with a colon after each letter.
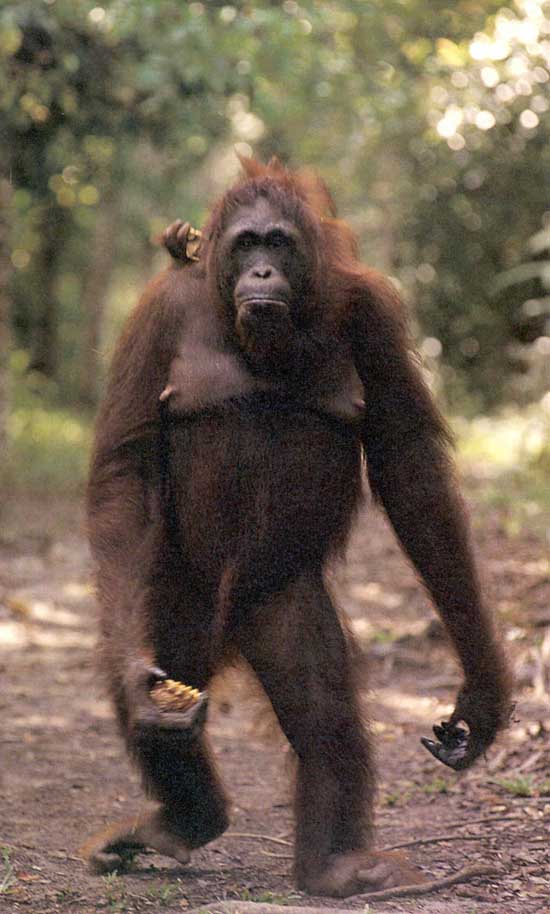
x: 187, y: 576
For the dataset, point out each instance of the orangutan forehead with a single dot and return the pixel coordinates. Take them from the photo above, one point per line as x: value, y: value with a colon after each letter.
x: 267, y: 194
x: 257, y: 213
x: 260, y: 217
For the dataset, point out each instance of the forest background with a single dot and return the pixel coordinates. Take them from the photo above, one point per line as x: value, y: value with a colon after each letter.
x: 430, y: 123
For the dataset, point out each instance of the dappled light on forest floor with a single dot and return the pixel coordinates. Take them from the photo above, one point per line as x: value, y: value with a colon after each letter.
x: 373, y: 593
x: 41, y: 623
x: 410, y: 708
x: 64, y: 763
x: 430, y: 123
x: 507, y: 441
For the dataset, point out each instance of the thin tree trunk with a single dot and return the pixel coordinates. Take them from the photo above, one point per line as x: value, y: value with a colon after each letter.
x: 5, y: 266
x: 94, y: 296
x: 5, y: 269
x: 45, y: 353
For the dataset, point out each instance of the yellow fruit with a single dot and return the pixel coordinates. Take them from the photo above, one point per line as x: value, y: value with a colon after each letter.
x: 174, y: 696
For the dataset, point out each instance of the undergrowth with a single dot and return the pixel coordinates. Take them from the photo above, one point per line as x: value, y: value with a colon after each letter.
x: 506, y: 457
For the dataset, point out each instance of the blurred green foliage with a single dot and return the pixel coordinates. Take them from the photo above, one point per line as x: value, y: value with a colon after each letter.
x: 50, y: 441
x: 430, y: 122
x: 510, y: 453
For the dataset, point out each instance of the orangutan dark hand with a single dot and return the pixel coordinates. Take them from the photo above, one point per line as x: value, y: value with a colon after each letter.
x: 485, y: 710
x: 451, y: 746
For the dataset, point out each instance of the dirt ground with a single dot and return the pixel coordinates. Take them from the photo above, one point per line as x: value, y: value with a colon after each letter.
x: 64, y: 773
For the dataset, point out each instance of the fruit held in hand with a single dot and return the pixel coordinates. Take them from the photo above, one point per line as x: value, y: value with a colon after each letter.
x: 170, y: 695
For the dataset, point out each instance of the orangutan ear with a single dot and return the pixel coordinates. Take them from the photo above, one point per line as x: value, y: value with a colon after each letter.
x: 252, y: 168
x: 275, y: 166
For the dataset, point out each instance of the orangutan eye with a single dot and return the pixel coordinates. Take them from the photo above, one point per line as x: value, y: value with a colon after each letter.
x: 277, y: 239
x: 247, y: 240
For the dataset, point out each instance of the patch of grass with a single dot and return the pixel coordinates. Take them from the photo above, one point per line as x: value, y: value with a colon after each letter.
x: 65, y: 895
x: 49, y: 446
x: 518, y: 787
x: 115, y: 893
x: 437, y: 785
x: 397, y: 798
x: 163, y: 894
x: 521, y: 500
x: 270, y: 898
x: 7, y: 876
x: 502, y: 442
x: 48, y: 439
x: 263, y: 897
x: 384, y: 636
x: 513, y: 452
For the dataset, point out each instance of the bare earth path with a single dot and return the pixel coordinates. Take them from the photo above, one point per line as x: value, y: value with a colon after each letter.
x: 63, y: 771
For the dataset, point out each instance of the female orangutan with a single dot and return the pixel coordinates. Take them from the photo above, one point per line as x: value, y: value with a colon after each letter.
x: 246, y: 391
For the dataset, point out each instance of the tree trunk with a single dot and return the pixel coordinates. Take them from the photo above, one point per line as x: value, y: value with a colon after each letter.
x: 5, y: 269
x: 45, y: 352
x: 94, y: 296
